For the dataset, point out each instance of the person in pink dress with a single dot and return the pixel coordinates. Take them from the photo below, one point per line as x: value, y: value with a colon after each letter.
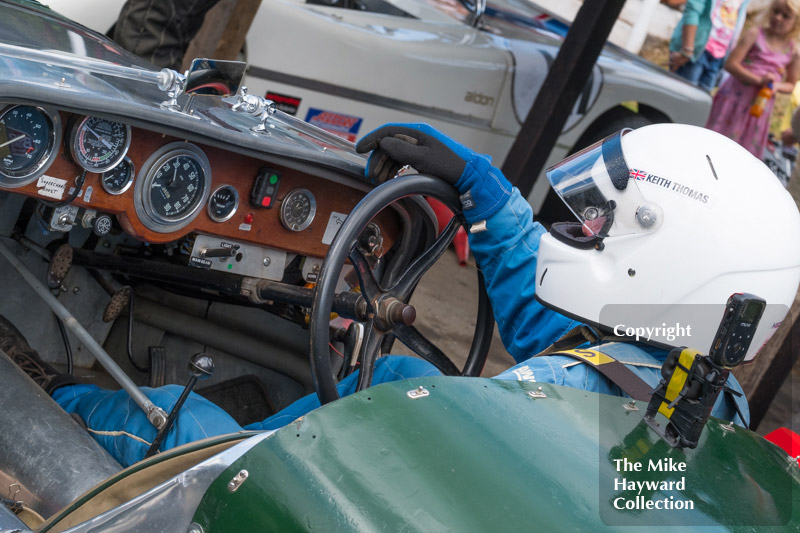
x: 764, y: 55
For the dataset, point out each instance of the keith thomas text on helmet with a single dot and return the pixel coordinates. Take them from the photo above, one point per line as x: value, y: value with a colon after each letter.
x: 674, y: 186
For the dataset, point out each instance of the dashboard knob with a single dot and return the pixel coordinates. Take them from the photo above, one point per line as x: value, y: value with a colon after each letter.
x: 102, y: 225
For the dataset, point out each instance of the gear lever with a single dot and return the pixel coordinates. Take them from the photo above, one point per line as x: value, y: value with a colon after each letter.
x: 201, y: 366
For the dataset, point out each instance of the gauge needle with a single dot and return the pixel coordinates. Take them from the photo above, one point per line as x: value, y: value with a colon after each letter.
x: 102, y: 139
x: 15, y: 139
x: 174, y: 179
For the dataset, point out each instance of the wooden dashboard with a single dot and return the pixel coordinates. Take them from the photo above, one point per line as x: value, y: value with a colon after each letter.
x: 248, y: 224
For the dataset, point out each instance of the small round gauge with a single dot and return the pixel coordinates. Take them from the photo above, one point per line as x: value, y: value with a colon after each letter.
x: 28, y: 137
x: 118, y: 179
x: 222, y: 203
x: 98, y: 144
x: 298, y: 209
x: 172, y: 187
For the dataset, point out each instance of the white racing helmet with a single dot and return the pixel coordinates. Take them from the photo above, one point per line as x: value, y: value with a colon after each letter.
x: 673, y: 220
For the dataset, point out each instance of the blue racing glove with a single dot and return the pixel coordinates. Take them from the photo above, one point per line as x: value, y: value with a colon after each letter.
x: 484, y: 189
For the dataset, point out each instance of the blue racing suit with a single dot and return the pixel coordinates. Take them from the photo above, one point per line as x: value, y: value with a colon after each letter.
x: 507, y: 254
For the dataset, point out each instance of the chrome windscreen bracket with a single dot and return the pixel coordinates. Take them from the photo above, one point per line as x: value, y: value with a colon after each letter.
x: 172, y: 83
x: 256, y: 106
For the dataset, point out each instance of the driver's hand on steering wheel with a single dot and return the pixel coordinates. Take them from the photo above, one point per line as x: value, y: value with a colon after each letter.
x: 419, y: 145
x: 483, y: 187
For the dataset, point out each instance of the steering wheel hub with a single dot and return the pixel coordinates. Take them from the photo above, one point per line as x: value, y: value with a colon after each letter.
x: 392, y: 312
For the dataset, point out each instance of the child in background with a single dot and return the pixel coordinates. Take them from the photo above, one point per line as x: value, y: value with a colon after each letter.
x: 762, y: 56
x: 703, y: 38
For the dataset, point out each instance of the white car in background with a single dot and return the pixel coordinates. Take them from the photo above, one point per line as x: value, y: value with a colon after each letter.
x: 354, y: 65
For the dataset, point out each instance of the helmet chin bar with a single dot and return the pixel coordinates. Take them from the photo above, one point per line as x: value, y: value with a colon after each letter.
x: 573, y: 234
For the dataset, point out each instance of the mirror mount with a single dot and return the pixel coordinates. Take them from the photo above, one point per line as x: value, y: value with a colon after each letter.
x: 205, y: 77
x: 172, y: 83
x: 255, y: 106
x: 266, y: 110
x: 476, y: 8
x: 477, y: 15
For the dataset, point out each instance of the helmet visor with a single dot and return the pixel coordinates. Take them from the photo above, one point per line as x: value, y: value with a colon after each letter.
x: 601, y: 191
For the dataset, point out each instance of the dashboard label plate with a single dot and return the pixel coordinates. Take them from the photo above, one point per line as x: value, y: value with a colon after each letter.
x: 51, y: 187
x: 334, y: 223
x: 200, y: 262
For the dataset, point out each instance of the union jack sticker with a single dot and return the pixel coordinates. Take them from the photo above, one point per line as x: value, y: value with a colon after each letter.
x: 637, y: 174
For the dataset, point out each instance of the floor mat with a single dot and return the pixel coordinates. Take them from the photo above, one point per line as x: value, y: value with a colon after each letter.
x: 245, y: 398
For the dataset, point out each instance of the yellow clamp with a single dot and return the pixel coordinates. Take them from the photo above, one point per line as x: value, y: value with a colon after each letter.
x: 678, y: 380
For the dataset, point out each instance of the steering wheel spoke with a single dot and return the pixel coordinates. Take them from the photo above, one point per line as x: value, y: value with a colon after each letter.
x: 370, y: 288
x: 402, y: 289
x: 416, y: 341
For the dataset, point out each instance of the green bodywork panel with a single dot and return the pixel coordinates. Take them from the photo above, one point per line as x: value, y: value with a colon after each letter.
x: 483, y: 455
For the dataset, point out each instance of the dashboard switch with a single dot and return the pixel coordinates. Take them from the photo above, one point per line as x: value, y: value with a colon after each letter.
x: 265, y: 188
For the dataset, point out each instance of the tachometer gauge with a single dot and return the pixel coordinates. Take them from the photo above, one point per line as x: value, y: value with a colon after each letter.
x: 223, y: 203
x: 118, y: 179
x: 298, y: 209
x: 28, y: 137
x: 172, y: 187
x: 98, y: 144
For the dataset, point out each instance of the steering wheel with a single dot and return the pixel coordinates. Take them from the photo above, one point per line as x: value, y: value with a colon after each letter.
x: 387, y: 309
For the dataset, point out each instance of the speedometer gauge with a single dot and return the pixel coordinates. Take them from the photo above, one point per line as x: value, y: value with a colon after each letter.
x: 298, y: 209
x: 28, y: 137
x: 172, y: 187
x: 98, y: 144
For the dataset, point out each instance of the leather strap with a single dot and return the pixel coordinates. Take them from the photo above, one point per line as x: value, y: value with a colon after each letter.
x: 620, y: 375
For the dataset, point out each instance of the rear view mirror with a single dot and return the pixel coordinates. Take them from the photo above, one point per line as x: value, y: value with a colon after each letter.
x: 214, y: 77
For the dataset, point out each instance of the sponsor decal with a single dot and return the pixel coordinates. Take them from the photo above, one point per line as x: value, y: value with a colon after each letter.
x: 638, y: 174
x: 287, y: 104
x: 524, y: 373
x: 591, y: 356
x: 345, y: 126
